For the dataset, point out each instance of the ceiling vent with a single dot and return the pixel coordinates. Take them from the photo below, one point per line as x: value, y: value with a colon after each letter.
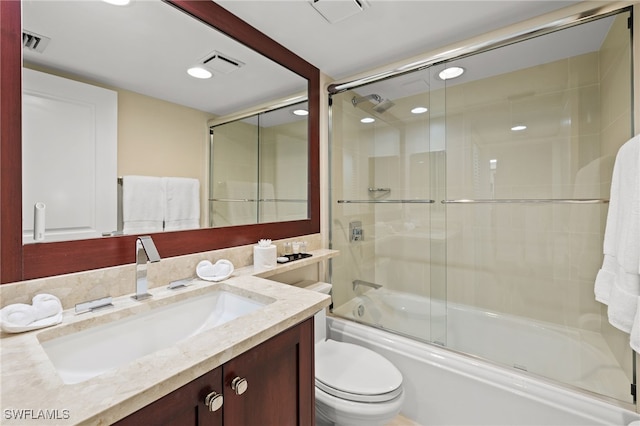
x: 216, y: 61
x: 34, y: 42
x: 338, y: 10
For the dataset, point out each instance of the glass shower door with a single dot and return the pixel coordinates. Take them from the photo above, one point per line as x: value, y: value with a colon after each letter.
x: 383, y: 169
x: 530, y: 151
x: 478, y: 224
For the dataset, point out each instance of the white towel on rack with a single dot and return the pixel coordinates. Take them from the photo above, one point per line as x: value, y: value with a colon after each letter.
x: 182, y: 209
x: 618, y: 281
x: 142, y: 204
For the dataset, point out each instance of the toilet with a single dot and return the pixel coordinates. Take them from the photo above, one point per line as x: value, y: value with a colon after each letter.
x: 354, y: 385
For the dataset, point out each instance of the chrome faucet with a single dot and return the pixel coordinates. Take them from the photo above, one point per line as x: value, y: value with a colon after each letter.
x: 146, y: 251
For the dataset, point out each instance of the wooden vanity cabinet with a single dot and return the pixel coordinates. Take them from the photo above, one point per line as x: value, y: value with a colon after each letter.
x: 279, y: 375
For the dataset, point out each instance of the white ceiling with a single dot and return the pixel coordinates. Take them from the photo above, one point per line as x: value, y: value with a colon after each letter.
x: 153, y: 44
x: 385, y: 32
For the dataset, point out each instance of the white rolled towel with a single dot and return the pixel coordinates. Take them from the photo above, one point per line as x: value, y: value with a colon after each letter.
x: 19, y: 314
x: 46, y: 305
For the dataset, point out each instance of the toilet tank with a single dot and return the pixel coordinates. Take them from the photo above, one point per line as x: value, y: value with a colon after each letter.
x: 320, y: 319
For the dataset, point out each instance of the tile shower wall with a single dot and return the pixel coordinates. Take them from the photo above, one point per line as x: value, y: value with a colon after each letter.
x: 615, y: 124
x: 253, y: 151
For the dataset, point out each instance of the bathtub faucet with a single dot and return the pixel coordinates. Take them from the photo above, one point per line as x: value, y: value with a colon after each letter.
x: 146, y: 251
x: 357, y: 283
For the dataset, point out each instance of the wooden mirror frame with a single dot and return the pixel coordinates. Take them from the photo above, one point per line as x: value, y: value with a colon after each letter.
x: 22, y: 262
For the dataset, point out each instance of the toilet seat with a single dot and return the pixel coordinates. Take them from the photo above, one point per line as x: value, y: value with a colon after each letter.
x: 355, y: 373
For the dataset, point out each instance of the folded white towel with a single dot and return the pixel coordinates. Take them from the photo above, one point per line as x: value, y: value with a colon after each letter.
x: 618, y: 281
x: 19, y: 314
x: 46, y: 305
x: 219, y: 271
x: 143, y: 202
x: 182, y: 203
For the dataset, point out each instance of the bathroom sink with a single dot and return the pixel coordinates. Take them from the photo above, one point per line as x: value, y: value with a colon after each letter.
x: 88, y: 353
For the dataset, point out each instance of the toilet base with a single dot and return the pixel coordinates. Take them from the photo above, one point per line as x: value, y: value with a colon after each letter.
x: 335, y: 411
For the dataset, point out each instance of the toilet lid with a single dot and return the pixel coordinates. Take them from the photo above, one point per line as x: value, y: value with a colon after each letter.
x: 355, y: 373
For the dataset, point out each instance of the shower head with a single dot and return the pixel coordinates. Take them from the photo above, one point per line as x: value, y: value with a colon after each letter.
x: 381, y: 106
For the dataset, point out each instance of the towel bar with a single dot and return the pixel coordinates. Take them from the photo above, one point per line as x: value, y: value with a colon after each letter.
x: 530, y: 200
x: 387, y: 201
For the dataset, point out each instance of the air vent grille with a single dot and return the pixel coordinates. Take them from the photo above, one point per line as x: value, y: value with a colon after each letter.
x: 220, y: 62
x: 34, y: 42
x: 338, y: 10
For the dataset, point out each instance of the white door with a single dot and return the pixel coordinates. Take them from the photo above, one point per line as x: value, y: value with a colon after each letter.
x: 69, y: 157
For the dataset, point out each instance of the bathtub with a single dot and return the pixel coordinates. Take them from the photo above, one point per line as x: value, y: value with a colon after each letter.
x: 444, y: 387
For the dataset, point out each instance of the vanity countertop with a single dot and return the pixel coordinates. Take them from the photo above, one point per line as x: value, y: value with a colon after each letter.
x: 31, y: 388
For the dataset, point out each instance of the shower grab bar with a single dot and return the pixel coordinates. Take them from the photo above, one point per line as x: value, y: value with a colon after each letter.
x: 387, y: 201
x: 379, y: 189
x: 356, y: 283
x: 531, y: 200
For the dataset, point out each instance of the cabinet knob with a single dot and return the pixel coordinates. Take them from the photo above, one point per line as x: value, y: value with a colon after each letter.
x: 214, y: 401
x: 239, y: 385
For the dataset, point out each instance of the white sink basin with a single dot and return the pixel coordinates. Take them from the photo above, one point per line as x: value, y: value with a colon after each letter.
x: 85, y: 354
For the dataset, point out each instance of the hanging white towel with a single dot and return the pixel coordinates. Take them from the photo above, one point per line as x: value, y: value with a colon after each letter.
x: 142, y: 204
x: 182, y: 209
x: 618, y: 281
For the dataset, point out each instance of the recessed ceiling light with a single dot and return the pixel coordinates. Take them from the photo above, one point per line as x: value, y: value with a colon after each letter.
x: 300, y: 112
x: 419, y: 110
x: 368, y: 120
x: 519, y: 128
x: 199, y: 72
x: 118, y: 2
x: 451, y: 72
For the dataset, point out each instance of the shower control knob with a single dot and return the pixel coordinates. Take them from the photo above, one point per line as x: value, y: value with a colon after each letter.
x: 239, y: 385
x: 214, y: 401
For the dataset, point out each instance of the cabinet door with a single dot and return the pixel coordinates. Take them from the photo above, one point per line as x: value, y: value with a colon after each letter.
x: 183, y: 407
x: 280, y: 382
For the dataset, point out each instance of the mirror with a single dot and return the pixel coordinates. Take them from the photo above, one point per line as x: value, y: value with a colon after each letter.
x: 157, y: 129
x: 256, y: 169
x: 53, y: 258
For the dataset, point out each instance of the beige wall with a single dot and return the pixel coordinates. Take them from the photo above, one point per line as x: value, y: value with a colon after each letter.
x: 159, y: 138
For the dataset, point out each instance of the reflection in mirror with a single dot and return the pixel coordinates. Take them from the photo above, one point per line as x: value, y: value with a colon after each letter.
x: 98, y: 107
x: 259, y: 168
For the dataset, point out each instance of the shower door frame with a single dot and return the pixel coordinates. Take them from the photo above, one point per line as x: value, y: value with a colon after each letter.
x: 522, y: 34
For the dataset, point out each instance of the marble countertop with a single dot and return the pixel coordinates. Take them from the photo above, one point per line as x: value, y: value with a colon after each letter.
x: 32, y: 390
